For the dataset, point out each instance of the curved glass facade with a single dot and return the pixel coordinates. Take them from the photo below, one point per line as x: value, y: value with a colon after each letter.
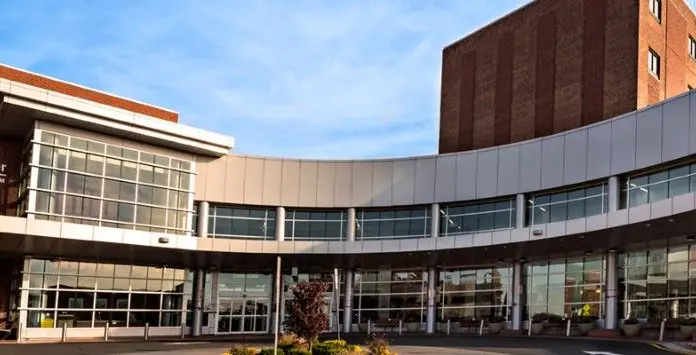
x: 241, y: 222
x: 393, y: 223
x: 658, y: 185
x: 474, y: 293
x: 462, y: 218
x: 567, y: 204
x: 310, y: 224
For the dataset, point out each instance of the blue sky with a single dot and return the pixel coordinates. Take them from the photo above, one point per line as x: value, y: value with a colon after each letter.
x: 301, y: 78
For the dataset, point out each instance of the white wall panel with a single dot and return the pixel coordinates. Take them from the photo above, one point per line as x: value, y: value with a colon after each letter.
x: 404, y: 182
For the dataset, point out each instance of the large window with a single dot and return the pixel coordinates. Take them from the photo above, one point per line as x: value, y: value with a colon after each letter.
x: 244, y: 303
x: 241, y: 222
x: 392, y: 223
x: 474, y: 293
x: 329, y: 296
x: 659, y: 185
x: 463, y: 218
x: 88, y: 182
x: 315, y: 224
x: 390, y: 294
x: 659, y: 283
x: 565, y: 287
x: 567, y: 205
x: 85, y: 295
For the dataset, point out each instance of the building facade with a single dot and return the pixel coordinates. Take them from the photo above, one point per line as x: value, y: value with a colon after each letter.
x: 556, y: 65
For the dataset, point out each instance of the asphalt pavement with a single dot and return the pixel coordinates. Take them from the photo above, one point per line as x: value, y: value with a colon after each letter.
x: 404, y: 345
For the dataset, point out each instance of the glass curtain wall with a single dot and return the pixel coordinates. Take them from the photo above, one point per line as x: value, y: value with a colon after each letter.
x: 24, y: 178
x: 390, y: 294
x: 241, y: 222
x: 329, y: 296
x: 565, y: 287
x: 658, y: 185
x: 88, y: 182
x: 474, y: 293
x: 393, y: 223
x: 566, y: 205
x: 315, y: 224
x: 461, y: 218
x: 658, y: 283
x: 244, y: 303
x: 88, y: 294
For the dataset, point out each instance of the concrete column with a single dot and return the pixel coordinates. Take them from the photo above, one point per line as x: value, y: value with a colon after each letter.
x: 430, y: 320
x: 434, y: 220
x: 517, y: 295
x: 520, y: 211
x: 348, y: 302
x: 280, y: 224
x: 198, y: 297
x: 203, y: 214
x: 614, y: 193
x: 215, y: 289
x: 350, y: 227
x: 611, y: 297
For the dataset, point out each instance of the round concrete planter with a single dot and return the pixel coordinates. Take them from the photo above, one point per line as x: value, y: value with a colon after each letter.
x: 537, y: 328
x: 585, y: 328
x: 631, y: 330
x: 412, y: 327
x: 495, y: 328
x: 687, y: 330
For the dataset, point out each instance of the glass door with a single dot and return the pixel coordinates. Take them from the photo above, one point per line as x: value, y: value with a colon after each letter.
x: 243, y: 304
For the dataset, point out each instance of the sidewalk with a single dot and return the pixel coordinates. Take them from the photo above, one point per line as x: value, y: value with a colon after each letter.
x: 678, y: 347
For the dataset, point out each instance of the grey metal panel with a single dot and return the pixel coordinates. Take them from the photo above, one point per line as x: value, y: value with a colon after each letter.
x: 675, y: 129
x: 226, y: 175
x: 508, y: 170
x: 530, y: 166
x: 272, y: 181
x: 623, y: 144
x: 649, y: 137
x: 598, y: 151
x: 362, y: 183
x: 343, y: 191
x: 404, y: 181
x: 552, y: 161
x: 382, y: 183
x: 290, y: 188
x: 575, y: 157
x: 487, y: 173
x: 425, y: 180
x: 446, y: 178
x: 326, y: 184
x: 308, y: 183
x: 202, y: 164
x: 466, y: 176
x: 692, y: 123
x: 253, y: 181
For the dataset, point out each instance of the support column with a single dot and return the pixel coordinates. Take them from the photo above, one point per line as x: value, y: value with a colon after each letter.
x: 520, y: 211
x: 611, y: 297
x: 430, y: 320
x: 278, y: 291
x: 215, y: 290
x: 517, y: 295
x: 434, y: 220
x: 198, y: 296
x: 348, y: 302
x: 350, y: 227
x: 203, y: 214
x: 614, y: 193
x: 280, y: 224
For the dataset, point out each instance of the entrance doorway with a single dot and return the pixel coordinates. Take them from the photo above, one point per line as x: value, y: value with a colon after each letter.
x: 242, y: 315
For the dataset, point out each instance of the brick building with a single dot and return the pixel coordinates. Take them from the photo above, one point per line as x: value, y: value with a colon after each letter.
x: 555, y: 65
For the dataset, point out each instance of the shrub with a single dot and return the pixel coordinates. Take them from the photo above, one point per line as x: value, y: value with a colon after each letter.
x: 296, y: 351
x: 631, y: 320
x: 243, y: 350
x: 356, y: 349
x: 270, y: 351
x: 306, y: 312
x: 584, y: 319
x: 330, y: 347
x: 377, y: 344
x: 290, y: 340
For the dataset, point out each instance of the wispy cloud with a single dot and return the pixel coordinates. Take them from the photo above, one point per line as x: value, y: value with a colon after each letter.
x: 304, y: 78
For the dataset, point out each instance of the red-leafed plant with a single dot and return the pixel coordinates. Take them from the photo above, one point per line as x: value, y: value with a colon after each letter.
x: 307, y: 317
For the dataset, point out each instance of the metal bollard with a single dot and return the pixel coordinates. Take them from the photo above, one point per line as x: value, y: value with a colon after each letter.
x: 529, y: 328
x: 183, y: 330
x: 448, y: 327
x: 401, y: 322
x: 481, y: 328
x: 662, y: 329
x: 106, y: 331
x: 369, y: 326
x: 568, y: 328
x: 147, y: 330
x: 64, y: 335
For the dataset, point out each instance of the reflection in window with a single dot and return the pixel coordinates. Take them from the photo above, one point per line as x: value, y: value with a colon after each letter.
x: 390, y: 294
x: 474, y: 293
x: 476, y: 217
x: 241, y: 222
x: 315, y: 224
x: 659, y: 185
x: 393, y: 223
x: 567, y: 205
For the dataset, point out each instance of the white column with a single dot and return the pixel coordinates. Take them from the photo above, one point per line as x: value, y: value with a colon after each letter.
x: 430, y: 320
x: 215, y: 286
x: 348, y: 302
x: 350, y: 228
x: 520, y: 211
x: 278, y: 292
x: 198, y: 296
x: 280, y: 224
x: 434, y: 220
x: 203, y: 214
x: 517, y: 295
x: 611, y: 299
x: 614, y: 193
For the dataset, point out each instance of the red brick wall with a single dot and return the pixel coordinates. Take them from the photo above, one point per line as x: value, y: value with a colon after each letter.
x: 573, y: 63
x: 91, y: 95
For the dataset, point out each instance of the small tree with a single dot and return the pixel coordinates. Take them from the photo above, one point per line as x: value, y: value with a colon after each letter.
x: 306, y: 316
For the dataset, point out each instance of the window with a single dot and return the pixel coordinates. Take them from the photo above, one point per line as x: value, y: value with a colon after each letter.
x: 654, y: 63
x: 692, y: 47
x: 659, y: 185
x: 477, y: 217
x: 655, y: 7
x: 393, y: 223
x: 567, y: 205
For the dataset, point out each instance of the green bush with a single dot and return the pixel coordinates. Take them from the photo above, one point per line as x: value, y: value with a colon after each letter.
x: 336, y: 343
x: 243, y: 350
x: 296, y: 351
x: 269, y: 351
x: 331, y: 347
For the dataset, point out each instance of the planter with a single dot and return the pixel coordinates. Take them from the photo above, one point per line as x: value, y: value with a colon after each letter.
x: 537, y: 328
x: 412, y: 327
x: 495, y: 328
x: 687, y: 330
x: 585, y: 328
x: 631, y: 330
x: 362, y: 327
